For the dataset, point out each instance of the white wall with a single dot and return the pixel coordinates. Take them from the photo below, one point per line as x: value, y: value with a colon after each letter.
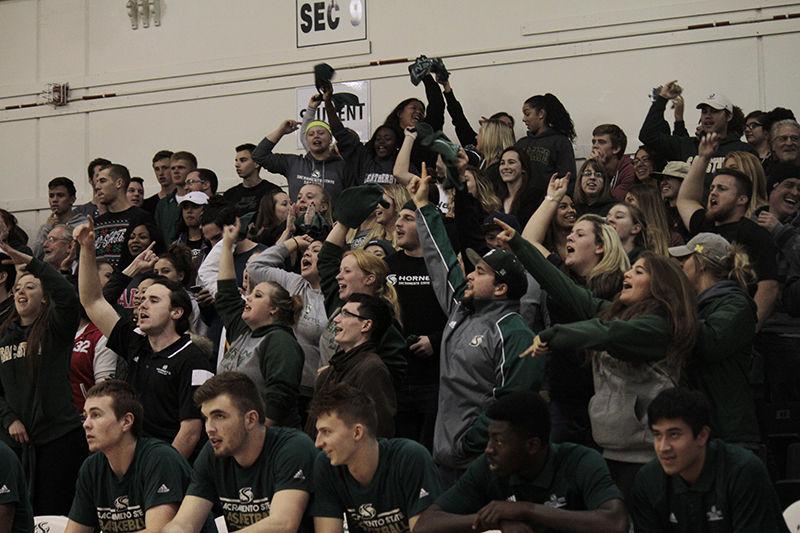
x: 218, y: 73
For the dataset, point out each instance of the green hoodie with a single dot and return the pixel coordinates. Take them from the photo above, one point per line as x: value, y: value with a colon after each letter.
x: 37, y: 392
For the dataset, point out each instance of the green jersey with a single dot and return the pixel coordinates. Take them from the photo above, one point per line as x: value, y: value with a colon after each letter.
x: 14, y: 490
x: 404, y: 485
x: 574, y: 478
x: 244, y: 494
x: 158, y: 475
x: 733, y: 493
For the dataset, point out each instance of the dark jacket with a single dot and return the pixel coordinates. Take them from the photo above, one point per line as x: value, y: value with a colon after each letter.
x: 721, y: 360
x: 363, y: 369
x: 550, y: 151
x: 34, y: 388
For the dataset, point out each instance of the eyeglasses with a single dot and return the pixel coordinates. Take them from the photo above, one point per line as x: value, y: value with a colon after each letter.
x: 645, y: 161
x: 192, y: 182
x: 346, y: 314
x: 55, y: 239
x: 784, y: 138
x: 752, y: 125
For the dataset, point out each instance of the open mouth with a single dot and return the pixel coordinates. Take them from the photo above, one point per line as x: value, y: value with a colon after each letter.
x: 305, y: 263
x: 570, y: 249
x: 626, y: 285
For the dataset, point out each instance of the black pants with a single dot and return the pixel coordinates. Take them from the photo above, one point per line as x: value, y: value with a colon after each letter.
x: 416, y: 414
x: 56, y: 466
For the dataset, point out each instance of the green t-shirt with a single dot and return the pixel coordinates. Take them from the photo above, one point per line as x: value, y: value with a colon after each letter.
x: 286, y: 462
x: 404, y: 485
x: 733, y: 493
x: 158, y: 475
x: 574, y: 478
x: 14, y: 490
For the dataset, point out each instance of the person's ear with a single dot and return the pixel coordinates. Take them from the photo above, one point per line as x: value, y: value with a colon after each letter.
x: 636, y: 229
x: 127, y: 421
x: 501, y: 290
x: 703, y: 436
x: 176, y: 313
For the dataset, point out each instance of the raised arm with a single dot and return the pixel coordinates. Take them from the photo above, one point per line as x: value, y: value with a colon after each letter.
x: 690, y: 195
x: 100, y: 312
x: 268, y: 265
x: 403, y: 162
x: 466, y: 135
x: 535, y: 230
x: 655, y: 130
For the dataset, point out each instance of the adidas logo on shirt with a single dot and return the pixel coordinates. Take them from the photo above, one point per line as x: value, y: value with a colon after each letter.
x: 423, y: 493
x: 4, y: 490
x: 299, y: 475
x: 163, y: 489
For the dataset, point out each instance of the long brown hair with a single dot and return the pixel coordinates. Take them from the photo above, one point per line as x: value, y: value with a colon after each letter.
x: 671, y: 296
x: 36, y: 330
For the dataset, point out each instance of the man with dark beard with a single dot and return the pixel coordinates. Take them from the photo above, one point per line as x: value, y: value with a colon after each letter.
x: 482, y: 338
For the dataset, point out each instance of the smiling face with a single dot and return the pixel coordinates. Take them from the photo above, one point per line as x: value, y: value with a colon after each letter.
x: 59, y: 199
x: 565, y: 213
x: 352, y: 279
x: 385, y: 142
x: 583, y: 251
x: 619, y: 217
x: 28, y: 298
x: 636, y: 284
x: 139, y: 239
x: 679, y: 451
x: 670, y: 188
x: 784, y: 198
x: 413, y: 112
x: 714, y: 120
x: 754, y: 132
x: 352, y: 329
x: 642, y: 165
x: 308, y: 194
x: 56, y: 246
x: 226, y: 426
x: 336, y: 438
x: 258, y: 309
x: 724, y: 200
x: 786, y: 143
x: 244, y: 164
x: 510, y: 167
x: 318, y: 140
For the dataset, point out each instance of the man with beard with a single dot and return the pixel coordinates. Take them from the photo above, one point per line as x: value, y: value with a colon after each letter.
x: 246, y: 196
x: 716, y: 112
x: 724, y: 214
x: 257, y: 475
x: 482, y: 338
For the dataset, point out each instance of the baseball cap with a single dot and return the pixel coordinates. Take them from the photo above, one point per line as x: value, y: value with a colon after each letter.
x: 489, y: 224
x: 507, y: 269
x: 782, y: 171
x: 196, y: 197
x: 673, y: 169
x: 709, y: 245
x: 717, y: 101
x: 384, y: 245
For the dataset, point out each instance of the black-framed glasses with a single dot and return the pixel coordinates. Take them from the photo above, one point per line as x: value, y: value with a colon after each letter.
x: 752, y: 125
x: 346, y: 313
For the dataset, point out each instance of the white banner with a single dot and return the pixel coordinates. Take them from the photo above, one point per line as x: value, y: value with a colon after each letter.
x: 356, y: 117
x: 330, y: 21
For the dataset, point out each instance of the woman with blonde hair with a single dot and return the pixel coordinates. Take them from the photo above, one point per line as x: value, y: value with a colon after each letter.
x: 381, y: 225
x: 494, y: 136
x: 750, y: 165
x: 343, y: 273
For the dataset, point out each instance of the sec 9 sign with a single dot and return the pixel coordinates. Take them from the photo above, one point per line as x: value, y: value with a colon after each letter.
x: 330, y: 21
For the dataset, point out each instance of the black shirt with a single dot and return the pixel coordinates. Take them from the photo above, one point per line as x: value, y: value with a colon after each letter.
x: 756, y: 241
x: 165, y: 380
x: 150, y: 204
x: 246, y: 199
x: 111, y: 232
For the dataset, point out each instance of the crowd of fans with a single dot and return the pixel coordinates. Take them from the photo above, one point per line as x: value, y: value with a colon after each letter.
x: 482, y: 334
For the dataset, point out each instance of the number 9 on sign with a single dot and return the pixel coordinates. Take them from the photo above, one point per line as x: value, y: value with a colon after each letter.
x: 356, y: 12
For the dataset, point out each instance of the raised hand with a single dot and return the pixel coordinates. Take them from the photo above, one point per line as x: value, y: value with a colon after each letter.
x: 231, y: 232
x: 670, y: 90
x: 557, y: 187
x: 507, y: 232
x: 708, y: 145
x: 84, y: 234
x: 289, y: 125
x: 146, y: 260
x: 418, y: 187
x: 15, y: 256
x: 539, y: 347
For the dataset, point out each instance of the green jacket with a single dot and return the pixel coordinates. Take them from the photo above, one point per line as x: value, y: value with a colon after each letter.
x: 392, y: 346
x: 721, y: 360
x: 269, y: 355
x: 37, y: 392
x: 629, y: 364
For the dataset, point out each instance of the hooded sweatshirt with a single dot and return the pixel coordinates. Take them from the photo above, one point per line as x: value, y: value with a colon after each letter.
x: 35, y: 388
x: 550, y: 151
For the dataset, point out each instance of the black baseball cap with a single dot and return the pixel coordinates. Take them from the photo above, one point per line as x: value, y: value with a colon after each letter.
x: 507, y: 269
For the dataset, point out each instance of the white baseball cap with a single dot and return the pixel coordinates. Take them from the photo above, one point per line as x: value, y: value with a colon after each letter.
x: 196, y: 197
x: 717, y: 101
